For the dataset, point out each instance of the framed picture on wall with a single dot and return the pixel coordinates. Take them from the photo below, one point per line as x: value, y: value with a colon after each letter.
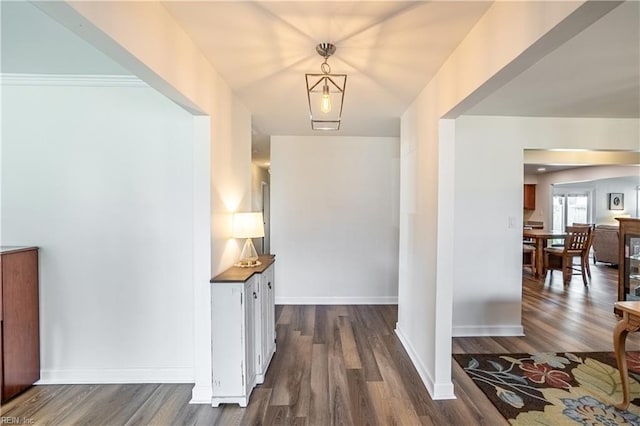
x: 616, y: 201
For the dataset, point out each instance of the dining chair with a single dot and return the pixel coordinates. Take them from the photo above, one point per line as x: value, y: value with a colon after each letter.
x: 576, y: 244
x: 526, y: 240
x: 585, y: 259
x: 529, y: 257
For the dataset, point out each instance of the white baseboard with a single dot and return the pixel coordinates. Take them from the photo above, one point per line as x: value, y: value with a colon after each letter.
x: 104, y: 376
x: 487, y: 331
x: 201, y: 395
x: 346, y: 300
x: 437, y: 391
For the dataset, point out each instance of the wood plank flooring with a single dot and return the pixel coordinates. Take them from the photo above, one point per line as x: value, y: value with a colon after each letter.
x: 343, y: 365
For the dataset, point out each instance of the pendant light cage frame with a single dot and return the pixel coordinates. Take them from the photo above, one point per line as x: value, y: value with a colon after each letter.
x: 328, y: 84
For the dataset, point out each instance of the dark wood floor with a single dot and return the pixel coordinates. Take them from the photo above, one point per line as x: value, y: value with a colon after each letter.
x: 344, y: 365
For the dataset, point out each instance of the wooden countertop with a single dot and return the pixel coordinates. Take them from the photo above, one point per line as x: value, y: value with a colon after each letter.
x: 236, y: 274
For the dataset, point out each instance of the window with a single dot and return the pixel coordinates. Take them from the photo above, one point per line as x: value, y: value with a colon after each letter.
x: 570, y: 208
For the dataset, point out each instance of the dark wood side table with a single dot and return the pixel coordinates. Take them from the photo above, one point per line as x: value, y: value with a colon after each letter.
x: 630, y: 322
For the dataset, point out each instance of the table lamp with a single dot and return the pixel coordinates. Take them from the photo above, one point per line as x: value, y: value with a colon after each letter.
x: 248, y: 225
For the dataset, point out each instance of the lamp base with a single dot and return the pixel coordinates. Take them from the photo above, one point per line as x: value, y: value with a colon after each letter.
x: 247, y: 264
x: 248, y: 256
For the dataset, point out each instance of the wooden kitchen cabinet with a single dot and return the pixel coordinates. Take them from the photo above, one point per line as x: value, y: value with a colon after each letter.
x: 243, y: 330
x: 19, y: 320
x: 529, y: 195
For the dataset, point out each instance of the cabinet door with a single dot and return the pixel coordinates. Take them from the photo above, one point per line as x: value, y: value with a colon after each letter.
x: 529, y: 197
x: 21, y: 342
x: 629, y: 263
x: 632, y: 266
x: 264, y: 323
x: 269, y: 316
x: 258, y: 337
x: 249, y: 335
x: 228, y: 339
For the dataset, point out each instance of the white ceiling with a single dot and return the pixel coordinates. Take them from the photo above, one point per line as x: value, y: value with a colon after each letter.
x: 33, y: 43
x: 557, y: 159
x: 538, y: 169
x: 595, y: 74
x: 389, y: 49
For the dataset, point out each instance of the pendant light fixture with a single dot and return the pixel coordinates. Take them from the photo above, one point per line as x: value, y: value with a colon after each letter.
x: 325, y: 93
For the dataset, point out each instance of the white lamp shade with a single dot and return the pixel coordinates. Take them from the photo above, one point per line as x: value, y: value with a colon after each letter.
x: 248, y: 225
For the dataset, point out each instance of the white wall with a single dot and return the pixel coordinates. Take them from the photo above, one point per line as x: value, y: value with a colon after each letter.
x: 487, y: 283
x: 334, y: 219
x: 505, y: 41
x: 101, y: 179
x: 489, y: 198
x: 600, y: 179
x: 222, y: 142
x: 230, y: 177
x: 602, y: 189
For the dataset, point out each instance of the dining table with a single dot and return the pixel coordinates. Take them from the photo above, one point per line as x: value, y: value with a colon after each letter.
x: 541, y: 237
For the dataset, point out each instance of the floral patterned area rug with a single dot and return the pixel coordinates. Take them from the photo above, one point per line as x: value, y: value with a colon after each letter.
x: 563, y: 388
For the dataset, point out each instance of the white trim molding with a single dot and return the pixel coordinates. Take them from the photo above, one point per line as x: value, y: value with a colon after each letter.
x: 436, y: 390
x: 119, y: 376
x: 79, y: 80
x: 201, y: 395
x: 488, y: 331
x: 338, y: 300
x: 203, y: 388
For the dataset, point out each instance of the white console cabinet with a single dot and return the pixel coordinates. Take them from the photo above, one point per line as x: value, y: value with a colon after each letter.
x: 243, y: 330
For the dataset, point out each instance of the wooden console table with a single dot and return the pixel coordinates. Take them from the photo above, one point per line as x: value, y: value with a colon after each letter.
x: 630, y: 322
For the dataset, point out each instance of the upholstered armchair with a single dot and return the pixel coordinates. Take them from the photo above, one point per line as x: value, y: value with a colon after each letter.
x: 605, y: 244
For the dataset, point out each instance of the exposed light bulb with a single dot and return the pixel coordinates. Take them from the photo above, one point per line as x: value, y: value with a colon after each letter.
x: 325, y: 104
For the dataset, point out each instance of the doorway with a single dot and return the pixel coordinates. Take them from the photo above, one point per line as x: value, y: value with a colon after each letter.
x: 569, y: 208
x: 266, y: 215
